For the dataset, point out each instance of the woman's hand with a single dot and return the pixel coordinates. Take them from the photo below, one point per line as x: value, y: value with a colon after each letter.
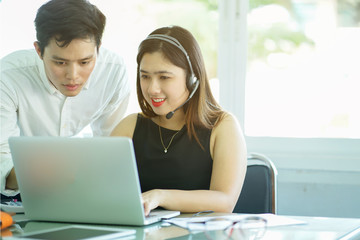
x: 151, y: 200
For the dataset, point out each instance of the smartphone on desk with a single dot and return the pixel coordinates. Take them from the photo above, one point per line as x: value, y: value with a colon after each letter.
x: 77, y: 232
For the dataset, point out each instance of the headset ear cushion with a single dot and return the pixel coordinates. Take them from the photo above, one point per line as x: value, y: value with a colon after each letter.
x: 194, y: 86
x: 191, y: 83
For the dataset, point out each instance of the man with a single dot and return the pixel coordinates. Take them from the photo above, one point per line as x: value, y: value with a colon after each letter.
x: 65, y: 84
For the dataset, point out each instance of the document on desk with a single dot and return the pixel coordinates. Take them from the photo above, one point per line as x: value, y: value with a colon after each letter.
x: 278, y: 220
x: 223, y: 221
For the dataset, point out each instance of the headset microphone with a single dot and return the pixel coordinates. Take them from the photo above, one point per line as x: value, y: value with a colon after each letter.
x: 170, y: 114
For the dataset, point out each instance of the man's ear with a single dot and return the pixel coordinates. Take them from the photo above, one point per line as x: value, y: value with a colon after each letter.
x: 38, y: 49
x: 99, y: 47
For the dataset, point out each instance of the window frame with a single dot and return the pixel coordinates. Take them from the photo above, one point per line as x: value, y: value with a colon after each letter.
x: 333, y: 154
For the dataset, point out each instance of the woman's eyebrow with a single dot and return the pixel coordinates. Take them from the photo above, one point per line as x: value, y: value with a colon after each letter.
x: 157, y: 72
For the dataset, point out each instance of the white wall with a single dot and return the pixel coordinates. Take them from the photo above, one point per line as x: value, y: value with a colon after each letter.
x: 319, y: 193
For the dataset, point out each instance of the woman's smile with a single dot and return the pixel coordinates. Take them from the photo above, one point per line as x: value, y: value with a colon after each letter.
x: 157, y: 102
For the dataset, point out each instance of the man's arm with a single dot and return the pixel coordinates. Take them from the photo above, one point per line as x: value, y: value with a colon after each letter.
x: 9, y: 127
x: 112, y: 115
x: 116, y: 108
x: 11, y: 182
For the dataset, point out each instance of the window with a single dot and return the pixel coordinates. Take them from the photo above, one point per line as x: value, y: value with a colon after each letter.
x: 288, y: 71
x: 302, y: 69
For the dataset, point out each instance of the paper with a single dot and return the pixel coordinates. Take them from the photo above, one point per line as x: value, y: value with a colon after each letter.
x: 222, y: 222
x: 278, y: 220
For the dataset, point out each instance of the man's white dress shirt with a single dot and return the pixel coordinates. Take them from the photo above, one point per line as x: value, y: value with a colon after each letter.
x: 32, y: 106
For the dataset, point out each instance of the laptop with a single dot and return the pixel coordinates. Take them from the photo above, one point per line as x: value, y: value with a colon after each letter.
x: 83, y: 180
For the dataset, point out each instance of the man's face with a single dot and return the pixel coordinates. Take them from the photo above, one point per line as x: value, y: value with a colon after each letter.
x: 68, y: 68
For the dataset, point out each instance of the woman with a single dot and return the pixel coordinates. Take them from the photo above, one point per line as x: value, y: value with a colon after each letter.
x: 191, y: 155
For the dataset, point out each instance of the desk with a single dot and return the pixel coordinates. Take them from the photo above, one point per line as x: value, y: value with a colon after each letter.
x: 315, y: 228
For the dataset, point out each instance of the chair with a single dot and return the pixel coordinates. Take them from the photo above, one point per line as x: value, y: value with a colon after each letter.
x: 259, y: 191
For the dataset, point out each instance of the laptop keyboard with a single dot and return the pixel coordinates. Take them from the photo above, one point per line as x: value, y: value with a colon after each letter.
x: 12, y: 206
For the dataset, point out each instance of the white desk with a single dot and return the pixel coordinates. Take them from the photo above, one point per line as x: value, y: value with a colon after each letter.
x: 315, y: 228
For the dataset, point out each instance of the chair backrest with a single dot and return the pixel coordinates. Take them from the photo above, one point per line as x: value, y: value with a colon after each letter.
x: 259, y: 191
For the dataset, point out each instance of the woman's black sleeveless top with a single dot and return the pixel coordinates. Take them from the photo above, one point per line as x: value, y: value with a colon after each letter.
x: 185, y: 166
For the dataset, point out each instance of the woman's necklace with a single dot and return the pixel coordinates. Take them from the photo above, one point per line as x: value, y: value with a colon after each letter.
x: 162, y: 142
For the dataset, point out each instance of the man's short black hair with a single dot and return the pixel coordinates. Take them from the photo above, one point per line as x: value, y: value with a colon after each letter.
x: 66, y: 20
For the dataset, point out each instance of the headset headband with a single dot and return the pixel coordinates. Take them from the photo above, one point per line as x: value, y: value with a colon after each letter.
x: 174, y: 42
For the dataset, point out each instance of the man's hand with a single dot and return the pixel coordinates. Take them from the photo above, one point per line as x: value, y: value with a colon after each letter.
x: 11, y: 182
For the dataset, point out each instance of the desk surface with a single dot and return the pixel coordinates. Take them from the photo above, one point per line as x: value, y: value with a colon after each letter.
x: 315, y: 228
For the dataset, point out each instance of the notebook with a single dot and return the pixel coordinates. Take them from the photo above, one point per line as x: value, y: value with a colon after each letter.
x: 84, y: 180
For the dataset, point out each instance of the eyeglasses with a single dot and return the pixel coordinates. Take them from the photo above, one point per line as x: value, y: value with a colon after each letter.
x: 250, y: 227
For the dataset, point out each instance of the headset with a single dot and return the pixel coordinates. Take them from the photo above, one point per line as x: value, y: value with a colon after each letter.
x: 193, y: 82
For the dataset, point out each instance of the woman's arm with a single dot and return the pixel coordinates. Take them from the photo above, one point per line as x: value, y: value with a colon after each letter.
x: 228, y: 150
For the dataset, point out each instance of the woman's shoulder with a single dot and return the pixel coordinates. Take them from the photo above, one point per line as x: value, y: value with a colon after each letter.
x: 227, y: 122
x: 131, y: 118
x: 227, y: 118
x: 226, y: 134
x: 126, y: 126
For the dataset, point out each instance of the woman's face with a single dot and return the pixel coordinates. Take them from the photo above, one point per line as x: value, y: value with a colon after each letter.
x: 162, y: 83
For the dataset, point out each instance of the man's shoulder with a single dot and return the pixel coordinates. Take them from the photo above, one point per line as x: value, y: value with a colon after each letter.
x: 111, y: 67
x: 107, y: 56
x: 20, y: 58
